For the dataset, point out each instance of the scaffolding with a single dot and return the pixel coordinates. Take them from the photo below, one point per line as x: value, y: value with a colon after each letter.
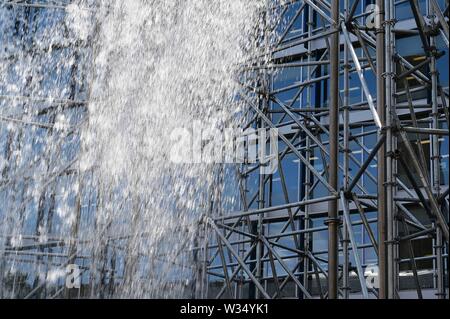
x: 366, y: 164
x: 334, y: 47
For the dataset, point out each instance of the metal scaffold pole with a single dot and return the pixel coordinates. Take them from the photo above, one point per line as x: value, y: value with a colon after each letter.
x: 381, y: 156
x: 389, y: 85
x: 346, y: 165
x: 333, y: 209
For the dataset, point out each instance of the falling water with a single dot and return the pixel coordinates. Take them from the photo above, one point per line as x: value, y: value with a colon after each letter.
x: 130, y: 216
x: 161, y: 65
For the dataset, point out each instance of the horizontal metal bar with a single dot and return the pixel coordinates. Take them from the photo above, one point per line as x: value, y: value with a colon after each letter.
x: 422, y: 130
x: 418, y: 234
x: 275, y: 208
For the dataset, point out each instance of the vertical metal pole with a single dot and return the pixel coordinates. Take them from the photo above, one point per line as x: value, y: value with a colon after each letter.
x: 345, y: 237
x: 333, y: 217
x: 381, y: 156
x: 389, y: 85
x: 345, y: 251
x: 307, y: 237
x: 260, y: 230
x: 307, y: 179
x: 261, y: 204
x: 440, y: 269
x: 436, y: 159
x: 205, y: 263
